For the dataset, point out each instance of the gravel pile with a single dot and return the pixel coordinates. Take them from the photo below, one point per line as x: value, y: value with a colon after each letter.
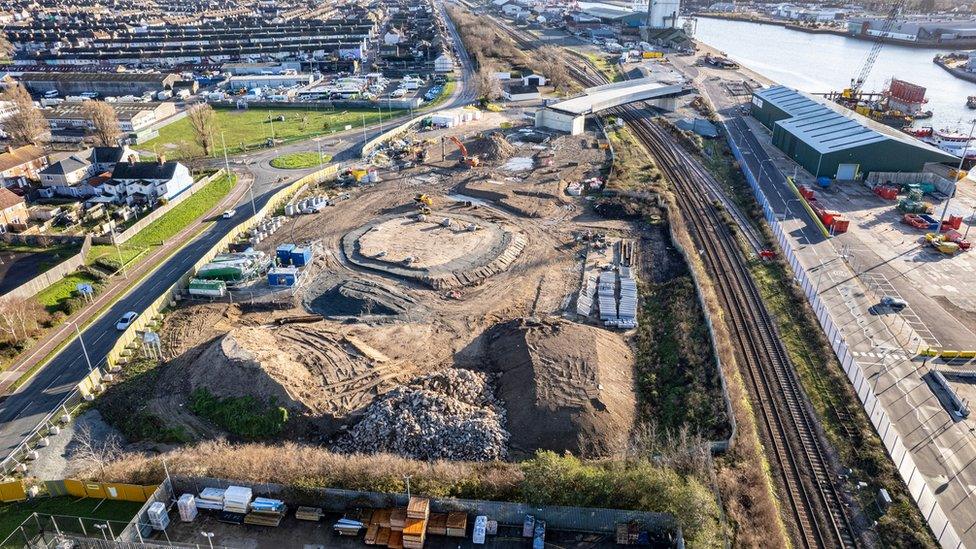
x: 447, y: 415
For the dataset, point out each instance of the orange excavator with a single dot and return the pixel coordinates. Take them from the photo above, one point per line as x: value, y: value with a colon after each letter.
x: 466, y: 159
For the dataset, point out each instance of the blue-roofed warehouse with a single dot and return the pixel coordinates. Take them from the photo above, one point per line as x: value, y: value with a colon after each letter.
x: 830, y: 140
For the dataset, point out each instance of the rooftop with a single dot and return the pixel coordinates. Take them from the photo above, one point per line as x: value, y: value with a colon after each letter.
x: 8, y: 199
x: 19, y: 156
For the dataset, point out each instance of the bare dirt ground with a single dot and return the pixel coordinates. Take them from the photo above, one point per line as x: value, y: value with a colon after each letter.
x: 380, y: 331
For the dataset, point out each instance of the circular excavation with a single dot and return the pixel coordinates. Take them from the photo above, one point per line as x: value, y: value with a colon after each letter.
x: 439, y: 250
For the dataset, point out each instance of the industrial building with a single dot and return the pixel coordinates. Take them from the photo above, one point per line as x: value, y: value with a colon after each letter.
x: 106, y: 84
x: 829, y: 140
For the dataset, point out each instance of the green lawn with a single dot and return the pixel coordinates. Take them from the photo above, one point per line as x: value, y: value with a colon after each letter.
x: 299, y: 160
x: 250, y: 129
x: 13, y: 514
x: 166, y: 227
x: 51, y: 297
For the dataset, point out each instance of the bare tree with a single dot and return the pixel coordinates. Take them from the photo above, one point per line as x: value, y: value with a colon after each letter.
x: 26, y: 124
x: 488, y: 86
x: 104, y: 123
x: 89, y: 453
x: 554, y: 68
x: 20, y: 317
x: 6, y: 48
x: 203, y: 120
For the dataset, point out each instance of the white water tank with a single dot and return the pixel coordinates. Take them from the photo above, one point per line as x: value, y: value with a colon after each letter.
x: 664, y: 13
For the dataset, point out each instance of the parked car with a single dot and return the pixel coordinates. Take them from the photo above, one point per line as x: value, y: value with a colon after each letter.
x: 894, y: 303
x: 228, y: 214
x: 126, y: 321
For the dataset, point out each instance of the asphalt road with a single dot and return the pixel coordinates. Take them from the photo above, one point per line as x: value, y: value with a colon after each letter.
x: 21, y: 412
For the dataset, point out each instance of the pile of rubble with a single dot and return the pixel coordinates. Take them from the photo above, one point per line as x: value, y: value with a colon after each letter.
x: 491, y: 148
x: 451, y: 414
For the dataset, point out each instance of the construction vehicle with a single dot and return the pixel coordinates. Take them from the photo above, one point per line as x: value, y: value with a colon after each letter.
x: 466, y: 159
x: 852, y: 94
x: 424, y: 203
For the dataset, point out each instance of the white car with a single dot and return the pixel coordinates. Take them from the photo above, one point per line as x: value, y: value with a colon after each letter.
x: 228, y: 214
x: 893, y: 303
x: 126, y: 320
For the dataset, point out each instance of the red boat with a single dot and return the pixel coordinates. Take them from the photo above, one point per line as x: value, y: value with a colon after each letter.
x: 925, y: 131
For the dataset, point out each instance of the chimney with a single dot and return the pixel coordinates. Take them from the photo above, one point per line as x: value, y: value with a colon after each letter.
x: 162, y: 159
x: 10, y: 149
x: 132, y: 159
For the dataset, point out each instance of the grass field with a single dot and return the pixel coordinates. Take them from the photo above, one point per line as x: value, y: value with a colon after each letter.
x: 250, y: 129
x: 12, y: 514
x: 51, y: 297
x: 299, y: 160
x: 166, y: 227
x: 446, y: 93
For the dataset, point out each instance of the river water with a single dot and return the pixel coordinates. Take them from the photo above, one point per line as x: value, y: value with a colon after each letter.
x: 819, y: 63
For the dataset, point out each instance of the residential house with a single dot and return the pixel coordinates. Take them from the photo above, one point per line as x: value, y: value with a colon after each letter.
x: 70, y: 176
x: 522, y: 93
x: 443, y: 63
x: 147, y: 182
x: 13, y: 211
x: 20, y: 164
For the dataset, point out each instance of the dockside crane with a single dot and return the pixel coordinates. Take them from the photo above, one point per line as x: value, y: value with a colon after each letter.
x: 852, y: 94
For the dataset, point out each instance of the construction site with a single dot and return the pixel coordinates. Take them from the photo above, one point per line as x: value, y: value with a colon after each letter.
x: 461, y: 300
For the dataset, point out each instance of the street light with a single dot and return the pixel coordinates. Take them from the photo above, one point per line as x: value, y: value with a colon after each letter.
x: 962, y: 159
x: 103, y: 527
x: 83, y: 349
x: 254, y: 209
x: 209, y: 536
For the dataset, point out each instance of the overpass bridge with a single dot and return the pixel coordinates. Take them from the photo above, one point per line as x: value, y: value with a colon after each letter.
x: 570, y: 114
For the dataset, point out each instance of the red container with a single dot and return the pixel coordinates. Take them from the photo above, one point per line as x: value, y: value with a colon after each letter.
x: 954, y: 221
x: 828, y: 217
x: 840, y: 225
x: 906, y: 91
x: 806, y: 192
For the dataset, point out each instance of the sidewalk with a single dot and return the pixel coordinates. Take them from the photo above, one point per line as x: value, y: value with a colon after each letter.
x: 116, y: 288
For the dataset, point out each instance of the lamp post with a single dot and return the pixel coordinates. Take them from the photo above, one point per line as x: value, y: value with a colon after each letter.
x: 103, y: 527
x: 962, y: 159
x: 209, y: 536
x: 125, y: 272
x: 83, y: 349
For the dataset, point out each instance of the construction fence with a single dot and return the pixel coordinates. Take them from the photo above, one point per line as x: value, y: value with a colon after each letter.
x: 920, y: 491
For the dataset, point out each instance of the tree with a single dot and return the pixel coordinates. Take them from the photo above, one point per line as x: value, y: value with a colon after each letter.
x: 104, y: 123
x: 488, y: 86
x: 203, y: 120
x: 6, y: 48
x: 26, y: 124
x: 19, y: 319
x: 552, y: 67
x: 87, y: 452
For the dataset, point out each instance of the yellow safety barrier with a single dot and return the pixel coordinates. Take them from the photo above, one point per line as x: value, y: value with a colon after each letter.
x: 12, y: 491
x: 75, y: 488
x: 948, y: 354
x: 806, y: 206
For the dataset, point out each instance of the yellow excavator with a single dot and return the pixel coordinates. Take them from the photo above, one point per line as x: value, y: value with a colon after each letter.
x: 466, y: 159
x: 424, y: 203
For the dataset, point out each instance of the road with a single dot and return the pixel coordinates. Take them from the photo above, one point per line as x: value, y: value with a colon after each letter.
x: 21, y: 411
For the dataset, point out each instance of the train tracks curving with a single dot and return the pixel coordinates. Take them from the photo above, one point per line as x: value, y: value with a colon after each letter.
x: 814, y: 505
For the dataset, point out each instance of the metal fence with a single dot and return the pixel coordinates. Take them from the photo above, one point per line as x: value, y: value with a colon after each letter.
x: 920, y: 491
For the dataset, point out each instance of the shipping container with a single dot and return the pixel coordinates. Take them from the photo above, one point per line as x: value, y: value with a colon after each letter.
x: 211, y: 288
x: 840, y: 225
x: 283, y: 276
x: 301, y: 257
x: 906, y: 91
x: 283, y: 253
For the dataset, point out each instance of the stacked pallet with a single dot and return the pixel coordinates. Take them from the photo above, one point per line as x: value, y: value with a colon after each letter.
x: 415, y: 529
x: 396, y: 540
x: 266, y: 512
x: 313, y: 514
x: 211, y: 498
x: 437, y: 524
x: 457, y: 524
x: 398, y: 519
x: 188, y: 507
x: 237, y: 499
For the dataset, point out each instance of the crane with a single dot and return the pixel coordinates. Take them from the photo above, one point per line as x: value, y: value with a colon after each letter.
x: 851, y: 93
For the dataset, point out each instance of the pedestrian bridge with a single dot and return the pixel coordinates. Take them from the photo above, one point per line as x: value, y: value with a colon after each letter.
x: 570, y: 114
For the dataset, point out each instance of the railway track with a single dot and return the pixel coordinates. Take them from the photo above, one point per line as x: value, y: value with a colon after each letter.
x: 814, y: 504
